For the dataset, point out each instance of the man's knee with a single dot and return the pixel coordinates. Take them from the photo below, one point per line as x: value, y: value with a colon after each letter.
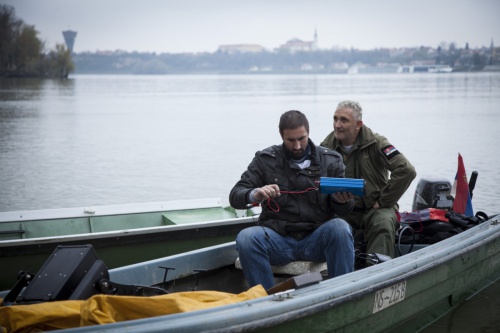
x: 249, y: 236
x: 382, y: 220
x: 337, y: 228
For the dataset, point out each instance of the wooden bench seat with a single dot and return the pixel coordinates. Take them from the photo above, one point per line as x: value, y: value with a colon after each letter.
x: 294, y: 267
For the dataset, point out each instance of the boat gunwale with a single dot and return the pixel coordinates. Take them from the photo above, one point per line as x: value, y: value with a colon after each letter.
x: 106, y: 210
x: 127, y: 232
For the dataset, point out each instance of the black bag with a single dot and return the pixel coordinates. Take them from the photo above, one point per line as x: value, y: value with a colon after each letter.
x: 433, y: 231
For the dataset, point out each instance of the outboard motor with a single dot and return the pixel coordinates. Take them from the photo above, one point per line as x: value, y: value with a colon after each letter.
x: 433, y: 193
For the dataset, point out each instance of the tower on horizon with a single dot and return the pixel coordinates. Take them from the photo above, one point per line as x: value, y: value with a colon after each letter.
x: 315, y: 42
x: 69, y: 39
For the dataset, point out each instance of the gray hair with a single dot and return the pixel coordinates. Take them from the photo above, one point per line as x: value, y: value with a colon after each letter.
x: 358, y: 111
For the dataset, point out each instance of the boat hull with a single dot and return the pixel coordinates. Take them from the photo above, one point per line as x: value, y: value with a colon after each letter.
x: 436, y: 279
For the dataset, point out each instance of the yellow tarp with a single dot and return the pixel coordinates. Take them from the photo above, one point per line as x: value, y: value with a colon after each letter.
x: 105, y: 309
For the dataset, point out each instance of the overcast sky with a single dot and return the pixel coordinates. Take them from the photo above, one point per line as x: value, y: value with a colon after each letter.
x: 176, y: 26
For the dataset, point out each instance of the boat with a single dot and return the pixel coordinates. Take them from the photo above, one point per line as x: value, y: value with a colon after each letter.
x: 121, y: 234
x: 425, y: 69
x: 400, y: 295
x: 405, y: 294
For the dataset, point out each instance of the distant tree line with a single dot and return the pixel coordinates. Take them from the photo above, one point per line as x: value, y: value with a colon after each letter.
x: 22, y: 53
x: 321, y: 61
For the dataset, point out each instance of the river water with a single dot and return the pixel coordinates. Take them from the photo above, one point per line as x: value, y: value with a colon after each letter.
x: 99, y: 140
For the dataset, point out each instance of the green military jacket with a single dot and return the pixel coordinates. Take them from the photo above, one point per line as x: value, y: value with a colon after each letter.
x: 371, y: 158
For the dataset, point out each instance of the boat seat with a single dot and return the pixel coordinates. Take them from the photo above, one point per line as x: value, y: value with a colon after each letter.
x: 294, y: 267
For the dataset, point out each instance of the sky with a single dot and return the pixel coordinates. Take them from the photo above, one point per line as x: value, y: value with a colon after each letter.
x: 178, y: 26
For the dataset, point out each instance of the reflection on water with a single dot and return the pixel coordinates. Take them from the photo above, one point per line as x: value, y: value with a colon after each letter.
x: 97, y: 140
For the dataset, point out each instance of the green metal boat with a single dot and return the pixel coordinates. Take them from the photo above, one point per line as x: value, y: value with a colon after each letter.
x: 404, y: 294
x: 121, y: 234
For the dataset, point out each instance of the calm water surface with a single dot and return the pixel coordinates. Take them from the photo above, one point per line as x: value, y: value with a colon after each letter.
x: 95, y: 140
x: 98, y: 140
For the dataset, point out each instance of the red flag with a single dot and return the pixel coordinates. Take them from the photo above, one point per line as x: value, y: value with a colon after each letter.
x: 462, y: 203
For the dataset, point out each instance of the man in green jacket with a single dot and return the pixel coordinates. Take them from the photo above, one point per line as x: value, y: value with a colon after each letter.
x: 370, y: 156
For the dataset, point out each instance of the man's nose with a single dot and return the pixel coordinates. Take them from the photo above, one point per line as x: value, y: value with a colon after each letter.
x: 296, y: 145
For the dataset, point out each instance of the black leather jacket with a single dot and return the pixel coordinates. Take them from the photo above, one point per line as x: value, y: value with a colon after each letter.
x: 304, y: 209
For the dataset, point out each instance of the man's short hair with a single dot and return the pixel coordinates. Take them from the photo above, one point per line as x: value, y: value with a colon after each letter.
x: 358, y: 111
x: 293, y: 119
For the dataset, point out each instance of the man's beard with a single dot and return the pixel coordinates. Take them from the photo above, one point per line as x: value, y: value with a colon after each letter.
x: 297, y: 154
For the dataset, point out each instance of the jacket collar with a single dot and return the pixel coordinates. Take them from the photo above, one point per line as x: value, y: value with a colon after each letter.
x: 365, y: 137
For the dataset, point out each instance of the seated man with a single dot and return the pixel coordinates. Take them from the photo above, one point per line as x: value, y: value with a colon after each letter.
x: 372, y: 157
x: 297, y: 221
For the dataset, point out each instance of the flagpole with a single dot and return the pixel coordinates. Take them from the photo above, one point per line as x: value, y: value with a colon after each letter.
x: 472, y: 182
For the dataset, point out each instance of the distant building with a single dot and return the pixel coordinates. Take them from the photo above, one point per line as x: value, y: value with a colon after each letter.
x: 240, y: 48
x: 69, y: 39
x: 296, y: 45
x: 494, y: 56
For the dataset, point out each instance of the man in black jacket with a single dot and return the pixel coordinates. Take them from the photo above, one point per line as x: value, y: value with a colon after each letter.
x: 297, y: 222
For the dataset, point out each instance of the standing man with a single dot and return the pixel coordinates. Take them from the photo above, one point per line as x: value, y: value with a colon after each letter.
x: 371, y: 156
x: 297, y: 221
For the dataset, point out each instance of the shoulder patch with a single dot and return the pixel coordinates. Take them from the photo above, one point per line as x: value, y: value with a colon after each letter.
x: 390, y: 151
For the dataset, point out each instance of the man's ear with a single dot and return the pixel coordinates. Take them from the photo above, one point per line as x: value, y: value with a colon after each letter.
x: 359, y: 124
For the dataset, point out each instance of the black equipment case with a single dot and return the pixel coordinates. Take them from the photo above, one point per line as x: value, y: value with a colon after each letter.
x: 71, y: 272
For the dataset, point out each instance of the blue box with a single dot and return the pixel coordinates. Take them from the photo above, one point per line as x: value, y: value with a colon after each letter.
x: 328, y: 185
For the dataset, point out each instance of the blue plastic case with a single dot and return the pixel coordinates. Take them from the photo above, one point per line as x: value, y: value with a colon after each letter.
x: 328, y: 185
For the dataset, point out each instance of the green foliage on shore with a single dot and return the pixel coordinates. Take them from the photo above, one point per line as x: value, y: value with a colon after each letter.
x: 22, y: 53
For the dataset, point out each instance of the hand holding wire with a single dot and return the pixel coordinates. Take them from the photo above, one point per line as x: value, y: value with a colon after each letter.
x: 267, y: 192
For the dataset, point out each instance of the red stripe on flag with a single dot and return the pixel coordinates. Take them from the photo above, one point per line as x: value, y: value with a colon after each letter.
x: 462, y: 188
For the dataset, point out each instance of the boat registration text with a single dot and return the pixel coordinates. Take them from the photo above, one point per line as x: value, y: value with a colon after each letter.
x: 389, y: 296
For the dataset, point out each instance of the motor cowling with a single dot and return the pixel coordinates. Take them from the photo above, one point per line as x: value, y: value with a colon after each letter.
x: 433, y: 193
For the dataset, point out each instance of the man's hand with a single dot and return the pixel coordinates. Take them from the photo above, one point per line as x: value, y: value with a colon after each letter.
x: 266, y: 192
x: 342, y: 197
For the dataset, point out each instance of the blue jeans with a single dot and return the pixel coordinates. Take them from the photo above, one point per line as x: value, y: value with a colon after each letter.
x: 260, y: 247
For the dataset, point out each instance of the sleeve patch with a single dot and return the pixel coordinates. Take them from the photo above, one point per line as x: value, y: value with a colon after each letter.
x: 390, y: 152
